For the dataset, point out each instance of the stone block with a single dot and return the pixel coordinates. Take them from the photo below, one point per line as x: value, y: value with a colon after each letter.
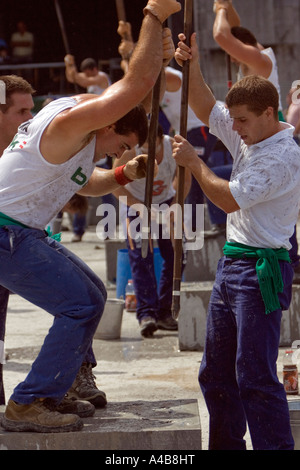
x: 202, y: 264
x: 294, y: 409
x: 194, y: 301
x: 290, y: 324
x: 140, y: 425
x: 111, y: 252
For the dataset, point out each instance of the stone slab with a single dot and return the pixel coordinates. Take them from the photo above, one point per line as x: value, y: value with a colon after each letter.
x: 202, y: 264
x: 194, y: 301
x: 294, y: 409
x: 138, y: 425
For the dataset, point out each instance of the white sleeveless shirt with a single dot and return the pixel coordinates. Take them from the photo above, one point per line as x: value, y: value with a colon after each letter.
x: 32, y: 190
x: 162, y: 184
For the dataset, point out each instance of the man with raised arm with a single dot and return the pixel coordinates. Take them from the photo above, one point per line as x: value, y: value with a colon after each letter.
x: 52, y: 157
x: 254, y: 277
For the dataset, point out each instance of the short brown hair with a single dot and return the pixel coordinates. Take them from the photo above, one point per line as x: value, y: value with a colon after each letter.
x: 14, y: 84
x: 256, y: 92
x: 244, y: 35
x: 135, y: 121
x: 88, y: 64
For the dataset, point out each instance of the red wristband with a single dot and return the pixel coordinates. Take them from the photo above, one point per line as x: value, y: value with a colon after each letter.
x: 121, y: 179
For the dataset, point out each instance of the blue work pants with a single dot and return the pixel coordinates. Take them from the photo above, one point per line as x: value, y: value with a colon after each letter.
x: 238, y: 375
x: 152, y: 300
x: 45, y: 273
x: 4, y: 296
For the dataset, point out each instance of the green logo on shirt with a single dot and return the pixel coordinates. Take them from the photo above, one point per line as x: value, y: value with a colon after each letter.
x: 79, y: 177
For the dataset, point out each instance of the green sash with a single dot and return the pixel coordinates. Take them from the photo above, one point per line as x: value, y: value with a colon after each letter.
x: 6, y: 220
x: 267, y: 269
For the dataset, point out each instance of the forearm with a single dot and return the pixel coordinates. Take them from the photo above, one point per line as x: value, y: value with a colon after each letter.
x: 221, y: 27
x: 233, y: 16
x: 70, y: 73
x: 100, y: 183
x: 106, y: 181
x: 147, y: 57
x: 201, y: 99
x: 187, y: 182
x: 216, y: 189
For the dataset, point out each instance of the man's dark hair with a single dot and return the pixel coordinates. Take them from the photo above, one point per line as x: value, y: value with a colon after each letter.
x: 88, y: 64
x: 135, y: 121
x: 244, y: 35
x: 256, y: 92
x: 14, y: 84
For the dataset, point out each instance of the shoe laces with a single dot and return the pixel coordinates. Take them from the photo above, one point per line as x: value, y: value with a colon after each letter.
x: 48, y: 404
x: 86, y: 376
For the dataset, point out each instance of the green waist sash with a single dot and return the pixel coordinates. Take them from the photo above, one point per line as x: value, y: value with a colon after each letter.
x: 6, y: 220
x: 267, y: 269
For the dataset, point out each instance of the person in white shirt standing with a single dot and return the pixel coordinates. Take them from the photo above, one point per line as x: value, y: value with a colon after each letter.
x: 254, y: 277
x: 22, y: 43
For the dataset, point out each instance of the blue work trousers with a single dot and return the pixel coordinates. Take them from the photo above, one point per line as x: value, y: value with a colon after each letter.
x: 152, y: 300
x: 4, y: 296
x: 238, y: 375
x: 45, y: 273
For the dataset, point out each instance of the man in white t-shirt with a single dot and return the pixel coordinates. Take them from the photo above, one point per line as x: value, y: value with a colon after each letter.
x: 254, y: 277
x: 22, y: 42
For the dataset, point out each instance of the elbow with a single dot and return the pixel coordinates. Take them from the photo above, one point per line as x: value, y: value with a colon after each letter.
x: 231, y: 208
x: 219, y: 37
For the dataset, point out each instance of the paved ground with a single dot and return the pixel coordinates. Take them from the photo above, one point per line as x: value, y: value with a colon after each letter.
x: 130, y: 368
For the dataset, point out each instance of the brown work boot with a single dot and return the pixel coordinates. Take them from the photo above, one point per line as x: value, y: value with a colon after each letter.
x: 162, y: 9
x: 85, y: 388
x: 38, y: 417
x: 81, y: 408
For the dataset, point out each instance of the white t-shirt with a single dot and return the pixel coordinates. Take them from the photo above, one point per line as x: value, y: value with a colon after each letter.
x: 32, y: 190
x: 265, y: 182
x: 26, y: 38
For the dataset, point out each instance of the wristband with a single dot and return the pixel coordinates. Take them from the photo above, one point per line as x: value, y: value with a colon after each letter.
x: 121, y: 179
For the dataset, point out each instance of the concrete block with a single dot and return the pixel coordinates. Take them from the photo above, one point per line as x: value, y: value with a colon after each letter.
x: 194, y: 301
x: 139, y: 425
x: 202, y: 264
x: 294, y: 409
x: 111, y: 252
x: 290, y: 324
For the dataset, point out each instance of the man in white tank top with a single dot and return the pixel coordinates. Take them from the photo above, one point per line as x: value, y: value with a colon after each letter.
x: 242, y: 45
x: 17, y: 109
x: 52, y: 157
x: 89, y: 77
x: 154, y: 296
